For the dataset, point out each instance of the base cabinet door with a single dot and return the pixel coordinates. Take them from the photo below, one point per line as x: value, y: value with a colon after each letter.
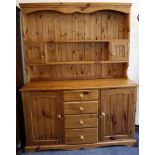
x: 43, y: 115
x: 117, y: 114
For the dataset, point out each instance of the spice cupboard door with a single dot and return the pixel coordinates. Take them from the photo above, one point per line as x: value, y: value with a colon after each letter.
x: 118, y: 51
x: 35, y: 53
x: 117, y: 114
x: 43, y: 118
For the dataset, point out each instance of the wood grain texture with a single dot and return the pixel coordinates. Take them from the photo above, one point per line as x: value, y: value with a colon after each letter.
x: 80, y: 95
x: 76, y: 58
x: 81, y: 121
x: 118, y: 107
x: 78, y: 84
x: 84, y: 107
x: 73, y: 136
x: 43, y: 125
x: 127, y: 142
x: 75, y: 7
x: 53, y: 38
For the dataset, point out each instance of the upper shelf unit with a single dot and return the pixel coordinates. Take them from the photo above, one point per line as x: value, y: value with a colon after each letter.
x: 80, y: 41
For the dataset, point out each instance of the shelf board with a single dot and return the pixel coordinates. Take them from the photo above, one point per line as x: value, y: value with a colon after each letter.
x: 78, y: 62
x: 75, y: 41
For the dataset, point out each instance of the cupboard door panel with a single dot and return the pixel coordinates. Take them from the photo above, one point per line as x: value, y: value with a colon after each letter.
x: 117, y: 113
x: 45, y: 125
x: 118, y: 51
x: 35, y: 53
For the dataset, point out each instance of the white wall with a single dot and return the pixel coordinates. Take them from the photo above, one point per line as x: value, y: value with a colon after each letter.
x: 133, y: 71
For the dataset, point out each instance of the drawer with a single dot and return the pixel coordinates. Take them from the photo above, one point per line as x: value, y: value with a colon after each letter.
x: 81, y: 121
x: 79, y: 136
x: 81, y: 107
x: 79, y: 95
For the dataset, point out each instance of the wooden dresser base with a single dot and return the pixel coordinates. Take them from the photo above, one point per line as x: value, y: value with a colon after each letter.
x: 127, y: 142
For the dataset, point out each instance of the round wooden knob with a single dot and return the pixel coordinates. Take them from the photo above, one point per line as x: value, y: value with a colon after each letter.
x: 81, y: 108
x: 42, y: 56
x: 81, y: 122
x: 59, y: 116
x: 82, y: 137
x: 103, y: 114
x: 81, y: 96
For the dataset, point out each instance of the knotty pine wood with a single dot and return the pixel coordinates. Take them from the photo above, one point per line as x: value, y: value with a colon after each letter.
x: 81, y: 121
x: 73, y: 136
x: 54, y: 38
x: 79, y: 84
x: 42, y: 125
x: 84, y: 107
x: 76, y: 71
x: 80, y: 95
x: 118, y: 106
x: 75, y: 7
x: 73, y: 50
x: 128, y: 142
x: 118, y: 51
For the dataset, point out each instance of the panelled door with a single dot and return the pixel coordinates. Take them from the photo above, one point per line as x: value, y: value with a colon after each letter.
x: 45, y: 118
x: 35, y: 53
x: 117, y: 113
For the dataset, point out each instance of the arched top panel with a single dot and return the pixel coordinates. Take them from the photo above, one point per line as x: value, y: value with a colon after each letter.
x: 75, y: 7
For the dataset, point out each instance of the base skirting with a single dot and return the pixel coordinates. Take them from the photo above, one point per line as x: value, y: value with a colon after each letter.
x: 128, y: 142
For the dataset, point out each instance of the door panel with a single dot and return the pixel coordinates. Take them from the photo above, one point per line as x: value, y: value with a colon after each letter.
x: 117, y: 113
x: 35, y: 53
x: 46, y: 127
x: 118, y: 51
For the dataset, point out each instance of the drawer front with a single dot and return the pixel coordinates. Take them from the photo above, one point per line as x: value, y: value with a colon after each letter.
x: 80, y: 136
x: 84, y: 107
x: 80, y: 95
x: 81, y: 121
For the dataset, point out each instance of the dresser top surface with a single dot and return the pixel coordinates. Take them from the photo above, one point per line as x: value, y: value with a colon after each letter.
x: 78, y: 84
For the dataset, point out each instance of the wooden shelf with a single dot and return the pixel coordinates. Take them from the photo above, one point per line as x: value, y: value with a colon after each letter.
x: 78, y: 62
x: 76, y: 41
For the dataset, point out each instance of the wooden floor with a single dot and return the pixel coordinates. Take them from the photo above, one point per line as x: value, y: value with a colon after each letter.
x: 116, y: 150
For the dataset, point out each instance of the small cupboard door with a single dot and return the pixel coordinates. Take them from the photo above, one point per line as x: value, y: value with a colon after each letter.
x: 44, y: 119
x: 118, y: 51
x: 117, y: 114
x: 35, y: 53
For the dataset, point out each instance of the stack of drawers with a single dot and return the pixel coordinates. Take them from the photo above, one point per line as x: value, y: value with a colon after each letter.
x: 81, y: 116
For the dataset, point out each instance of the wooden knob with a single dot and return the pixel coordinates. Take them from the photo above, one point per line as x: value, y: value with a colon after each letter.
x: 59, y: 116
x: 103, y: 114
x: 81, y: 96
x: 81, y: 122
x: 82, y: 137
x: 42, y: 56
x: 81, y: 108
